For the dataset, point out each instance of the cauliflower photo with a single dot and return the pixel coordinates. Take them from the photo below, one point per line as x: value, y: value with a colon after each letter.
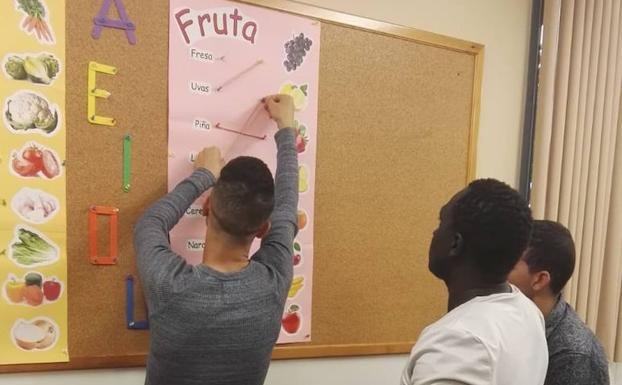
x: 28, y: 111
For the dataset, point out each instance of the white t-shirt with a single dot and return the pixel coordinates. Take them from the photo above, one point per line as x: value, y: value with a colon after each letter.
x: 497, y: 339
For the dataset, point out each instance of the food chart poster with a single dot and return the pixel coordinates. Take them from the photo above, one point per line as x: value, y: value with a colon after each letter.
x: 224, y: 57
x: 33, y: 226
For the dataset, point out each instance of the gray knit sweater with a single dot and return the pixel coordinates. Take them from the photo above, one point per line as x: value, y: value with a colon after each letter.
x: 209, y: 327
x: 575, y: 355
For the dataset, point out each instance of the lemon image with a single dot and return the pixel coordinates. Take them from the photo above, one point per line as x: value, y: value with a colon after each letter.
x: 298, y: 94
x: 287, y: 88
x: 303, y: 183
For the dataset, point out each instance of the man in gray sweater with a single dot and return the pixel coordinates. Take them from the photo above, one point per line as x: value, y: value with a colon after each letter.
x: 575, y: 355
x: 216, y: 323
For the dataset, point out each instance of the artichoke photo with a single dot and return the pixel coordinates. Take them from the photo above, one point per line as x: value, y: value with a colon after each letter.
x: 41, y: 69
x: 28, y: 111
x: 51, y: 64
x: 14, y: 67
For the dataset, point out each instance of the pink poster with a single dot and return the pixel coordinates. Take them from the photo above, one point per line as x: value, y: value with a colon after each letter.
x: 224, y: 57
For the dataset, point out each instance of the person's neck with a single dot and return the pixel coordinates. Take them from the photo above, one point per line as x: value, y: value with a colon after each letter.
x: 225, y: 255
x: 545, y: 302
x: 462, y: 290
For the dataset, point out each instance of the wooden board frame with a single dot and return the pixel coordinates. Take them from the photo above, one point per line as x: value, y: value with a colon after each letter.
x: 350, y: 21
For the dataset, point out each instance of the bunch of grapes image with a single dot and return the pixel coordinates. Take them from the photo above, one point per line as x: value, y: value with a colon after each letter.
x: 296, y: 49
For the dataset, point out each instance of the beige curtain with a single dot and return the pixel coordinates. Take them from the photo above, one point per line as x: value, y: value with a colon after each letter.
x: 577, y: 170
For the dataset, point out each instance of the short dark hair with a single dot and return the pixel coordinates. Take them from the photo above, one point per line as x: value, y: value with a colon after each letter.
x: 551, y: 248
x: 243, y: 197
x: 495, y: 223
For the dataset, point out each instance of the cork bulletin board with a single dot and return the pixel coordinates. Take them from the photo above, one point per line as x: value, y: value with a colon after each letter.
x: 397, y: 127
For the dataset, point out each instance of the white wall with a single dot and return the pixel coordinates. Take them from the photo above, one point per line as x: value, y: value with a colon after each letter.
x: 503, y: 27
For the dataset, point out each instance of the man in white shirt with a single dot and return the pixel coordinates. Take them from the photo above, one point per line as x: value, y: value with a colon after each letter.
x: 492, y: 333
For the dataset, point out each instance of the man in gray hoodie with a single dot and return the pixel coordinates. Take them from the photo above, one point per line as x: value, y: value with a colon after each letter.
x: 575, y: 355
x: 217, y: 322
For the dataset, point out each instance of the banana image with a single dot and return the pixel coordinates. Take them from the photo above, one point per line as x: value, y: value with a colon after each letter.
x: 303, y: 183
x: 296, y: 286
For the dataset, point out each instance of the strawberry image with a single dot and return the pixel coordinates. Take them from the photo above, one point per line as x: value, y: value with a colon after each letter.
x: 301, y: 137
x: 291, y: 320
x: 301, y: 143
x: 297, y: 257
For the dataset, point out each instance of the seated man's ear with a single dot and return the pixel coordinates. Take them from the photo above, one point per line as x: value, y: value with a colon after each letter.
x: 263, y: 230
x: 540, y: 280
x: 457, y: 246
